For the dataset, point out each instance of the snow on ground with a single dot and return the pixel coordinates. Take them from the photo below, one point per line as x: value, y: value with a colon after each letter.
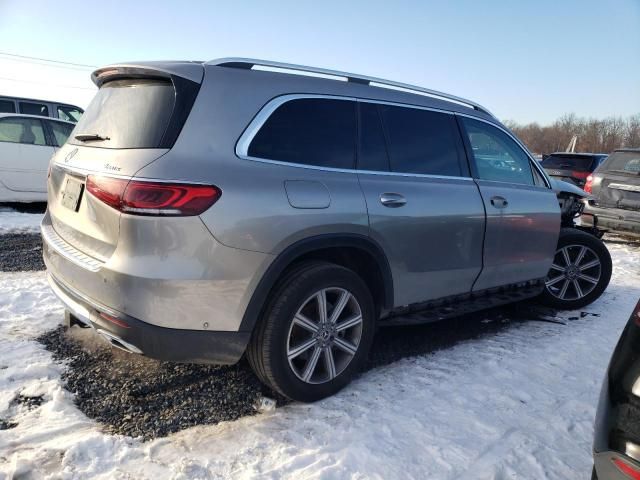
x: 18, y: 222
x: 517, y: 404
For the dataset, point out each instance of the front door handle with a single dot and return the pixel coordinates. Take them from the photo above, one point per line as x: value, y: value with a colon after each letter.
x: 392, y: 200
x: 499, y: 202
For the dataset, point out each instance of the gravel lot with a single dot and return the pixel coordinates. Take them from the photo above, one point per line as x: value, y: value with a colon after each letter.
x: 21, y: 252
x: 138, y: 396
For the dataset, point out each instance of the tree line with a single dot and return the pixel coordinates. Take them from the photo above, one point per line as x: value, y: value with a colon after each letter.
x: 593, y: 135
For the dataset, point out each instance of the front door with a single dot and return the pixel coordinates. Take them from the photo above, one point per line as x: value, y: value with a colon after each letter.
x: 523, y: 215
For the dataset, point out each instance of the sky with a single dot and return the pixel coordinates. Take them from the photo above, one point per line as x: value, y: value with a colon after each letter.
x: 524, y: 60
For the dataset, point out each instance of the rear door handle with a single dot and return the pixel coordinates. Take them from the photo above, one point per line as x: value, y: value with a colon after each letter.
x: 499, y: 202
x: 392, y: 200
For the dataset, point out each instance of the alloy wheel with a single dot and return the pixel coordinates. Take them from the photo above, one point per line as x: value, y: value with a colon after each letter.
x: 324, y: 335
x: 574, y: 273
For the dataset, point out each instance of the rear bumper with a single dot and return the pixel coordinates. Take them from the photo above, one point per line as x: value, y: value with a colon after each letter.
x: 613, y: 219
x: 171, y: 274
x: 136, y: 336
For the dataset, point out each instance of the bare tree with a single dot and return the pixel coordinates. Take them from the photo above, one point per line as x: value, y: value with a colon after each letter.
x: 594, y: 135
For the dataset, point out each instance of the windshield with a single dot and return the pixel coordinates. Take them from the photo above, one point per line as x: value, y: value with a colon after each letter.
x: 627, y: 162
x: 570, y: 162
x: 130, y: 113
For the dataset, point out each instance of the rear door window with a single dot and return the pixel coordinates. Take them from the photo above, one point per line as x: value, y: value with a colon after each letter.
x: 32, y: 108
x: 131, y: 113
x: 22, y: 130
x: 60, y: 132
x: 497, y: 157
x: 421, y: 141
x: 309, y: 131
x: 7, y: 106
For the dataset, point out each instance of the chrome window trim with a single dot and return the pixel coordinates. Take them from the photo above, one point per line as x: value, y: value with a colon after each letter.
x: 532, y: 160
x: 242, y: 145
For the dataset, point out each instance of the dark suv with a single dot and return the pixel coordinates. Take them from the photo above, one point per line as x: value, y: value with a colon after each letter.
x: 572, y: 167
x: 615, y: 187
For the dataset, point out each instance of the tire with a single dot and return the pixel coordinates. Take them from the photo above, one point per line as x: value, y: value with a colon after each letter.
x: 580, y: 272
x: 282, y: 350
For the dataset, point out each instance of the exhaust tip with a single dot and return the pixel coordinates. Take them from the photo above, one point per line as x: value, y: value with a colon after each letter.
x: 117, y: 342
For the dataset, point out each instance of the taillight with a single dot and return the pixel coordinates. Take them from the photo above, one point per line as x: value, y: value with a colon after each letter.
x: 153, y: 198
x: 588, y: 184
x: 629, y: 470
x: 579, y: 174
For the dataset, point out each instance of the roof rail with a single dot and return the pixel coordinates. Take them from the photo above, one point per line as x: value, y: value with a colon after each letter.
x: 249, y: 63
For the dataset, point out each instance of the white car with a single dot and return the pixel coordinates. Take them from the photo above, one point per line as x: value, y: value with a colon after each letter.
x: 27, y: 142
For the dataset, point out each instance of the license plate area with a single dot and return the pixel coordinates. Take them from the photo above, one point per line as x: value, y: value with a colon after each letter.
x: 72, y: 193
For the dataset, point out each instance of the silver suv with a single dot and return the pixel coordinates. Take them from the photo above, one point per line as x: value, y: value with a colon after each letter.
x: 202, y: 211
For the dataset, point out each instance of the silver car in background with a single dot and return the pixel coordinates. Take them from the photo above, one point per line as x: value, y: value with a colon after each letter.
x: 202, y: 211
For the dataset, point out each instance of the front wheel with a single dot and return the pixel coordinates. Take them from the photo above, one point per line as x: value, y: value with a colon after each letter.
x: 580, y: 271
x: 315, y: 333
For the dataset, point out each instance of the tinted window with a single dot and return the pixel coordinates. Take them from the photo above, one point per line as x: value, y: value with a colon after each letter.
x: 70, y: 114
x: 311, y: 131
x: 61, y: 132
x: 7, y: 106
x: 133, y: 113
x: 30, y: 108
x: 497, y: 156
x: 373, y: 151
x: 421, y: 141
x: 581, y: 163
x: 21, y: 130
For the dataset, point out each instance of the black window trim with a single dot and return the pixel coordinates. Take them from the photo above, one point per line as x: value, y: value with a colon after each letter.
x: 245, y: 139
x: 474, y: 172
x: 35, y: 118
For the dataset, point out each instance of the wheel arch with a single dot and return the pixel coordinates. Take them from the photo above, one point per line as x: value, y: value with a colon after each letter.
x: 358, y: 252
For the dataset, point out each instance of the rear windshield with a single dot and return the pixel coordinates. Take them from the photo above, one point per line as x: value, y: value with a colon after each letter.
x: 623, y: 162
x: 569, y: 162
x: 132, y: 113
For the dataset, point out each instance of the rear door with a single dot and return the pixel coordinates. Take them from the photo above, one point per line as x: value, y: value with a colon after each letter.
x: 25, y: 154
x: 523, y: 216
x: 617, y: 181
x: 424, y: 208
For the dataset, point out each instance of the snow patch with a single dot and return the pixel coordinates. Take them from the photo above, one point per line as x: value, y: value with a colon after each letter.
x: 17, y: 222
x: 516, y: 404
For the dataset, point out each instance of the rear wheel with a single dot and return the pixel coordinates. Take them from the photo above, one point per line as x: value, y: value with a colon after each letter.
x: 315, y: 333
x: 580, y: 271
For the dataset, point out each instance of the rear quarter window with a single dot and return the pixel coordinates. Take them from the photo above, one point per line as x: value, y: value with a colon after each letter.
x: 309, y: 131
